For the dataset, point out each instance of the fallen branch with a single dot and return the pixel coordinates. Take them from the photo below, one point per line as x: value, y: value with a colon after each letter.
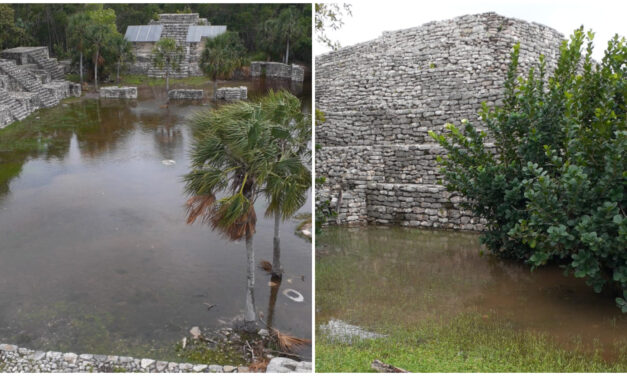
x: 379, y: 366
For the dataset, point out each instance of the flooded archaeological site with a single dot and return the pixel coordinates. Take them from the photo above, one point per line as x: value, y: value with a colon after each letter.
x: 391, y: 279
x: 95, y: 252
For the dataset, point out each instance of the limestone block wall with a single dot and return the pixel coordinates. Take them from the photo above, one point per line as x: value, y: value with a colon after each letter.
x: 380, y: 99
x: 115, y: 92
x: 232, y: 93
x: 277, y: 70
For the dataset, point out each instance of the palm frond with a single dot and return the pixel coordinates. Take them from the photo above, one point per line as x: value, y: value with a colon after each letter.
x: 287, y: 342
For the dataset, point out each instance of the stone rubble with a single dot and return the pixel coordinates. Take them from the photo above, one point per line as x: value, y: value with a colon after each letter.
x: 381, y: 98
x: 121, y: 92
x: 232, y: 93
x: 340, y: 331
x: 186, y: 94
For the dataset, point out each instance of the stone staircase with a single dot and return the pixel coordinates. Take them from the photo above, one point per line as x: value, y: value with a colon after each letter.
x: 11, y: 109
x: 178, y: 32
x: 48, y: 64
x: 28, y: 82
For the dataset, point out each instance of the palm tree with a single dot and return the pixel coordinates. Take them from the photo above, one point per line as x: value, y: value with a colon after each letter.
x: 221, y: 57
x: 99, y: 32
x: 285, y: 27
x: 123, y: 51
x: 78, y: 26
x: 231, y: 156
x: 290, y: 179
x: 167, y: 54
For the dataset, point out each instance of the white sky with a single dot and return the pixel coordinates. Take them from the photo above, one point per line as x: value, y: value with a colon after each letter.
x: 370, y: 18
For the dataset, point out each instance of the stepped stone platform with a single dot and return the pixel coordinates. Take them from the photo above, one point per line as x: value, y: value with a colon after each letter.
x: 268, y: 69
x: 232, y: 93
x: 381, y: 98
x: 30, y: 80
x: 186, y: 94
x: 115, y: 92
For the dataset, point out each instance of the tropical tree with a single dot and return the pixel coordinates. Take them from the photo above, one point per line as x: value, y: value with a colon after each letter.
x: 167, y: 54
x: 11, y: 34
x: 330, y: 16
x: 221, y: 57
x: 290, y: 178
x: 99, y: 33
x: 232, y: 156
x: 286, y: 27
x: 78, y: 26
x: 123, y: 51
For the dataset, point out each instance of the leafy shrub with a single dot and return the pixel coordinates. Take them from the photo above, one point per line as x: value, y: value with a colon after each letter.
x: 553, y: 187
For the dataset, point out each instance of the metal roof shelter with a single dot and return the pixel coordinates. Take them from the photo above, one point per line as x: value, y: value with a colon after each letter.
x: 195, y: 33
x: 144, y: 33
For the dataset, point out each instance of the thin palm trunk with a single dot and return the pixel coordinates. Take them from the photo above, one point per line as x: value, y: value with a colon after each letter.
x: 250, y: 317
x: 81, y: 67
x: 215, y: 88
x: 96, y: 70
x: 287, y: 51
x: 274, y: 289
x: 277, y: 270
x: 118, y: 73
x: 167, y: 78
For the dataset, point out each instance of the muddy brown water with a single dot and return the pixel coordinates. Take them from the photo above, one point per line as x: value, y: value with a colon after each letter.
x: 95, y: 254
x: 377, y: 276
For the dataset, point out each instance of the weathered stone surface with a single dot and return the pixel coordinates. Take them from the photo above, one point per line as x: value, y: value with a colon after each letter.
x: 381, y: 98
x: 232, y: 93
x: 284, y: 365
x: 185, y: 94
x: 270, y: 69
x: 115, y: 92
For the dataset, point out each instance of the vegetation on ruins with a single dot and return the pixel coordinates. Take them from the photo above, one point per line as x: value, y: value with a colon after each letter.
x: 221, y: 57
x: 236, y: 151
x: 78, y: 25
x: 51, y: 25
x: 167, y: 55
x: 290, y: 179
x: 555, y: 191
x: 124, y: 52
x: 99, y: 33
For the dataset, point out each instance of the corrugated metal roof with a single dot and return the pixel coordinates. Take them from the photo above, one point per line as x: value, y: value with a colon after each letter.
x: 144, y: 33
x: 194, y: 33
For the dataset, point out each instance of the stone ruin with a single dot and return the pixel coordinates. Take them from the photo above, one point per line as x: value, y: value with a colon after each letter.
x: 188, y: 30
x: 30, y: 80
x: 186, y: 94
x: 115, y: 92
x: 232, y: 93
x: 380, y: 98
x: 269, y: 69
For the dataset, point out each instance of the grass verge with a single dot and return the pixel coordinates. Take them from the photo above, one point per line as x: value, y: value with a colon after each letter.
x: 468, y: 343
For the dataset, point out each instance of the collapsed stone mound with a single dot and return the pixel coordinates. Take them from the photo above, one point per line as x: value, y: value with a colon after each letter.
x: 380, y: 98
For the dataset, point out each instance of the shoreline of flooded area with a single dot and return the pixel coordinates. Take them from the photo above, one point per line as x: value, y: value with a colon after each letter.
x: 388, y: 278
x: 96, y: 255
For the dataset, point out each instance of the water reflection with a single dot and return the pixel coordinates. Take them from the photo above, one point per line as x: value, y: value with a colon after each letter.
x: 95, y: 253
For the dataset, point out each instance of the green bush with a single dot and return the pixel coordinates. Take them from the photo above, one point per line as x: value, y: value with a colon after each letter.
x: 553, y: 187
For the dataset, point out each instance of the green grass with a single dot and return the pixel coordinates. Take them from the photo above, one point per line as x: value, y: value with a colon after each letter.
x: 469, y: 343
x: 143, y: 80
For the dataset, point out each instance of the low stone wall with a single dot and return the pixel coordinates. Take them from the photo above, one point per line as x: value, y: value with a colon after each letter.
x: 125, y: 92
x: 188, y: 94
x: 277, y: 70
x: 232, y: 93
x: 18, y: 359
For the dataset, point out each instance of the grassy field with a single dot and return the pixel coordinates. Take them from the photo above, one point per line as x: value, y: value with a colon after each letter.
x: 468, y: 343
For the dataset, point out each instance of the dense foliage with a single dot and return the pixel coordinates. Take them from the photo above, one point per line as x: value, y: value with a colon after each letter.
x: 553, y: 190
x: 47, y: 25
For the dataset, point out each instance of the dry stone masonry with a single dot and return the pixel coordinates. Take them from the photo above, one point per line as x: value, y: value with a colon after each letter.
x: 186, y: 94
x: 188, y: 30
x: 292, y: 72
x: 380, y: 98
x: 115, y: 92
x: 232, y: 93
x: 30, y: 80
x: 15, y: 359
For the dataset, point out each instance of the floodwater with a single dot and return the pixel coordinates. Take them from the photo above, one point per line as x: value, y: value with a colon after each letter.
x: 380, y: 276
x: 95, y: 254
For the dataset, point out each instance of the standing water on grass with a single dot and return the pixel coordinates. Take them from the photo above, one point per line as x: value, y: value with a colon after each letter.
x: 388, y: 277
x: 95, y: 252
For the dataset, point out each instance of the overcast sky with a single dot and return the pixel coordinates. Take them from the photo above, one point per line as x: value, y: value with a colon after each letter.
x: 370, y: 19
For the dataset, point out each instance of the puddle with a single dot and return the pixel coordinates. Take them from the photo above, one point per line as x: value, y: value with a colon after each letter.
x: 95, y: 253
x: 378, y: 277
